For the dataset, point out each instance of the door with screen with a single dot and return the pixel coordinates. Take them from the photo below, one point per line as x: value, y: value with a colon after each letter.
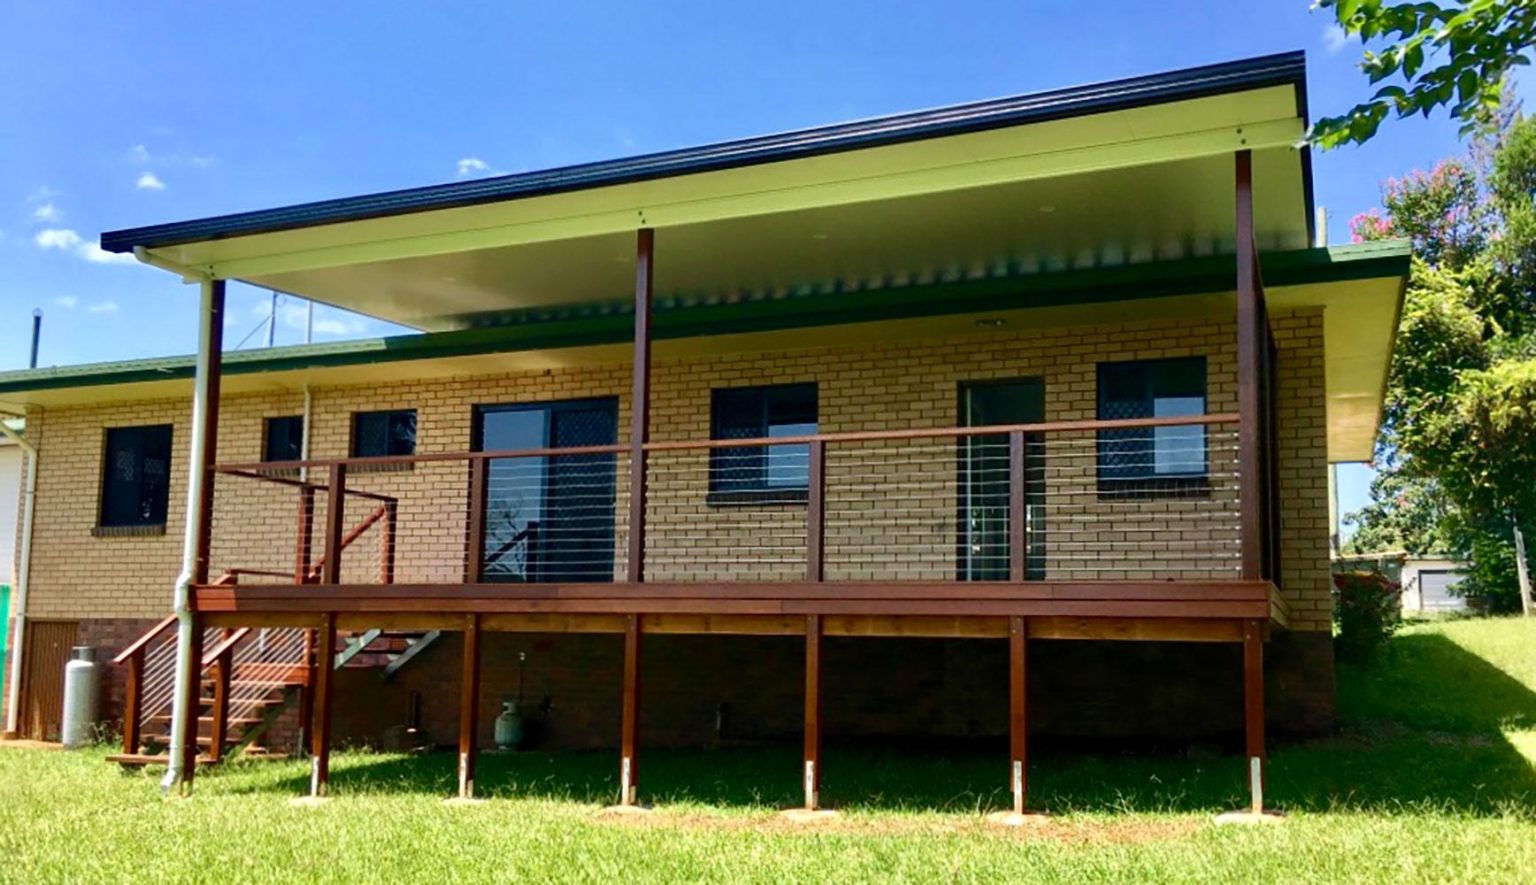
x: 985, y: 484
x: 548, y: 518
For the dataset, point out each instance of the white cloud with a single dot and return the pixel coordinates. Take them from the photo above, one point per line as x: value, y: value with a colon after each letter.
x: 103, y: 307
x: 203, y: 162
x: 139, y: 154
x: 150, y: 182
x: 93, y: 253
x: 57, y: 238
x: 1334, y: 38
x: 294, y: 314
x: 67, y: 302
x: 48, y: 213
x: 472, y: 166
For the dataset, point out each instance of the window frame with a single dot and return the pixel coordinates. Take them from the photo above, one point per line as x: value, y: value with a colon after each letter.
x: 1116, y: 482
x: 266, y: 443
x: 103, y: 528
x: 352, y: 441
x: 757, y: 490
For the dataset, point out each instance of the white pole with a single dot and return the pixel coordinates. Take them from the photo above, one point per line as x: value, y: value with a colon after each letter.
x: 309, y: 325
x: 184, y: 705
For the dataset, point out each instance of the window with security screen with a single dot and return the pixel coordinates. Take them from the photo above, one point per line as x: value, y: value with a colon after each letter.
x: 283, y: 439
x: 761, y: 474
x: 376, y: 434
x: 1152, y: 459
x: 135, y: 481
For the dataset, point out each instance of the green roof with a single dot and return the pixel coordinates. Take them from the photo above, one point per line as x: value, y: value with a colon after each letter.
x: 610, y: 323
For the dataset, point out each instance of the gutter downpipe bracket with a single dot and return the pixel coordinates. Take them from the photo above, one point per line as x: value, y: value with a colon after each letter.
x: 181, y: 708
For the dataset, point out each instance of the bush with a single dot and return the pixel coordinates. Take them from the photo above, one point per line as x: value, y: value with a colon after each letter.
x: 1368, y: 609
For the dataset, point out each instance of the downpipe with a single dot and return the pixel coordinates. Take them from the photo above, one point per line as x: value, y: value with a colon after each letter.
x: 23, y: 579
x: 182, y: 706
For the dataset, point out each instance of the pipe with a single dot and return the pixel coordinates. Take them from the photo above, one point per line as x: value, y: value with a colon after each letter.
x: 309, y: 404
x: 37, y: 335
x: 23, y: 579
x: 182, y: 704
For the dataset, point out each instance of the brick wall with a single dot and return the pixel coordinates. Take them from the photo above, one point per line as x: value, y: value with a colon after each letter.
x: 875, y: 529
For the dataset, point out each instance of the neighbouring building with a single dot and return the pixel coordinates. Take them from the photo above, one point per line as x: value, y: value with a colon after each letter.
x: 996, y: 421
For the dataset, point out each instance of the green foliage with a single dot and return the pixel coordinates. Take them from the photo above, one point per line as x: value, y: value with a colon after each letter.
x: 1455, y: 54
x: 1405, y: 512
x: 1368, y: 609
x: 1458, y: 446
x: 1488, y: 552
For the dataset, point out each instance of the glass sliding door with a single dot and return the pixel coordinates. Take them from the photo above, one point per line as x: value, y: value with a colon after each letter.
x: 985, y: 483
x: 548, y: 518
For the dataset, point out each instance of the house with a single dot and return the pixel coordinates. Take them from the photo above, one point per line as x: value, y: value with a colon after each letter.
x: 1428, y: 585
x: 11, y: 461
x: 1004, y: 420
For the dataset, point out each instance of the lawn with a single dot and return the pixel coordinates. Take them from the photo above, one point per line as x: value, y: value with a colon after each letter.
x: 1430, y: 778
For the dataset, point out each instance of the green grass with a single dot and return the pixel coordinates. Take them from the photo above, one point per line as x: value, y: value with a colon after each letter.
x: 1430, y: 778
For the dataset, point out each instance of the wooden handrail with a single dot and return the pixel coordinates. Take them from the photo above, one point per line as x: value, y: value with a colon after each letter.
x: 224, y: 645
x: 139, y: 644
x: 318, y: 566
x: 852, y: 436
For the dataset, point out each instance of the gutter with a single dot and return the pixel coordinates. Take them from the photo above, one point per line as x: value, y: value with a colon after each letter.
x: 23, y: 579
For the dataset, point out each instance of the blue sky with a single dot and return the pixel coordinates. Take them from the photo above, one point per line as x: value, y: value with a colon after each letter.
x: 123, y: 114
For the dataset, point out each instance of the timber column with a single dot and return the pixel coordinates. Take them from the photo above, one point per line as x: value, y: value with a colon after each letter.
x: 639, y: 435
x: 1251, y: 337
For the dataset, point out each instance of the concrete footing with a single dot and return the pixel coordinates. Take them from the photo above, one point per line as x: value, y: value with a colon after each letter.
x: 1246, y: 817
x: 1017, y: 819
x: 808, y: 815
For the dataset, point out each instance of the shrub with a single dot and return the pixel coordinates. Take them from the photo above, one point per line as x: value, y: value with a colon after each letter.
x: 1368, y: 609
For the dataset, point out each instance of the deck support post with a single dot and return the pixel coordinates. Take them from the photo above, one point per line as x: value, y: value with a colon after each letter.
x: 335, y: 524
x: 194, y: 693
x: 630, y: 721
x: 132, y: 700
x: 1018, y: 721
x: 222, y: 673
x: 640, y: 402
x: 1018, y: 507
x: 1253, y: 711
x: 469, y: 707
x: 812, y: 768
x: 320, y: 727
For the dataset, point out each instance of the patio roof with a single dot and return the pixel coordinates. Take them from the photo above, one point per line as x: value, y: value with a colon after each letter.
x: 1114, y: 174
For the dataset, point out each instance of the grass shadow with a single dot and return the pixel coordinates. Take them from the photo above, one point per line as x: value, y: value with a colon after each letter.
x: 1423, y: 730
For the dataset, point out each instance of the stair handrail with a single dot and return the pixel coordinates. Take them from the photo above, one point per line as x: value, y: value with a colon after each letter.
x: 138, y: 645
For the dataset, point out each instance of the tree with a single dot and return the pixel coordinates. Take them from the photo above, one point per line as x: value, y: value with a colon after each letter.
x: 1458, y: 446
x: 1456, y: 54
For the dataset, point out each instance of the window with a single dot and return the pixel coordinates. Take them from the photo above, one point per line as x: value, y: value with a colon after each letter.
x: 283, y: 439
x: 1154, y: 459
x: 135, y: 481
x: 375, y: 434
x: 761, y: 474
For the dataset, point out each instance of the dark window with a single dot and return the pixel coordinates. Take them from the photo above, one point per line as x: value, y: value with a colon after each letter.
x: 135, y: 479
x: 761, y: 474
x: 1152, y: 459
x: 284, y: 439
x: 375, y: 434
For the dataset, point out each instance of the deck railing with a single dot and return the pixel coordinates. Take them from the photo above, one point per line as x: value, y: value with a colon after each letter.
x: 1146, y: 499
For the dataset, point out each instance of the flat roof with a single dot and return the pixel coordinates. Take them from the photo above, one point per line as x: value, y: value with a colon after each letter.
x: 1282, y: 69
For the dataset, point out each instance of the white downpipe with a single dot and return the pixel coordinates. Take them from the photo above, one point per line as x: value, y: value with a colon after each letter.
x: 309, y: 407
x: 182, y: 706
x: 23, y: 578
